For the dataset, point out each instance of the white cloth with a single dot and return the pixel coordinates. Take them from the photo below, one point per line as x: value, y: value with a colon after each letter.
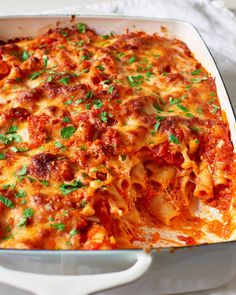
x: 215, y: 22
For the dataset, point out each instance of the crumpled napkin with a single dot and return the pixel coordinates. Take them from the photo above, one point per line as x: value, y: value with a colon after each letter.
x: 215, y: 22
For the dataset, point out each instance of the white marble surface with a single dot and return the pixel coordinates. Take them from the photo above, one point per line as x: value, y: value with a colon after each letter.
x: 17, y: 7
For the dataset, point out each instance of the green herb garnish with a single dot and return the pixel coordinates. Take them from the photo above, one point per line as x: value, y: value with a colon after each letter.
x: 81, y: 27
x: 196, y: 72
x: 67, y: 131
x: 25, y: 55
x: 97, y: 104
x: 173, y: 139
x: 7, y: 202
x: 66, y: 188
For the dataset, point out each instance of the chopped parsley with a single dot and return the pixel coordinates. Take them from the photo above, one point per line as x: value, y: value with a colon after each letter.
x: 2, y: 156
x: 67, y: 188
x: 34, y: 75
x: 198, y: 80
x: 215, y: 108
x: 89, y: 94
x: 100, y: 67
x: 68, y: 102
x: 58, y: 226
x: 132, y: 59
x: 135, y: 81
x: 199, y: 110
x: 78, y: 101
x: 105, y: 82
x: 20, y: 194
x: 81, y: 27
x: 44, y: 182
x: 158, y: 107
x: 196, y: 141
x: 73, y: 232
x: 49, y: 79
x: 88, y: 106
x: 28, y: 213
x: 156, y: 126
x: 110, y: 89
x: 45, y: 61
x: 63, y: 33
x: 165, y: 74
x: 15, y: 149
x: 25, y: 55
x: 183, y: 108
x: 59, y: 145
x: 103, y: 116
x: 173, y: 139
x: 23, y: 170
x: 66, y: 119
x: 7, y: 202
x: 67, y: 132
x: 97, y: 104
x: 196, y: 72
x: 194, y: 128
x: 65, y: 80
x: 12, y: 129
x: 149, y: 74
x: 173, y: 101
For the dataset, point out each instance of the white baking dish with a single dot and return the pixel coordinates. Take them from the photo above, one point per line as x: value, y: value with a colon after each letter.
x: 86, y: 272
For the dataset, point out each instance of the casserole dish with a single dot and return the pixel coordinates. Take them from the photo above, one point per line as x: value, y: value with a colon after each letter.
x: 184, y: 270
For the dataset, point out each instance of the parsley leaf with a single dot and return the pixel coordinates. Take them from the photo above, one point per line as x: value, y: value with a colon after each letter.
x: 20, y: 194
x: 156, y: 126
x: 12, y: 129
x: 100, y: 67
x: 89, y: 94
x: 173, y: 139
x: 7, y: 202
x: 23, y: 170
x: 44, y: 182
x: 132, y: 59
x: 73, y: 232
x: 34, y: 75
x: 58, y: 226
x: 59, y: 145
x: 110, y: 89
x: 183, y: 108
x: 197, y: 80
x: 103, y: 116
x: 196, y: 72
x: 65, y: 80
x: 135, y: 80
x: 2, y: 156
x: 68, y: 102
x: 97, y: 104
x: 67, y: 131
x: 67, y: 188
x: 45, y: 61
x: 25, y: 55
x: 81, y: 27
x: 66, y: 119
x: 28, y: 213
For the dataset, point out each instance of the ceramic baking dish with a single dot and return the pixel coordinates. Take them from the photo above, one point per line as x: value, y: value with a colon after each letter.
x: 162, y: 271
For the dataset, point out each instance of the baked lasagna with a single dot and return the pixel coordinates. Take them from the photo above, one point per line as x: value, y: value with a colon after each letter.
x: 102, y: 136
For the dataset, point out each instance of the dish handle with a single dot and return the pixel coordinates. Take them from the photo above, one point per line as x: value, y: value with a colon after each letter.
x: 44, y: 284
